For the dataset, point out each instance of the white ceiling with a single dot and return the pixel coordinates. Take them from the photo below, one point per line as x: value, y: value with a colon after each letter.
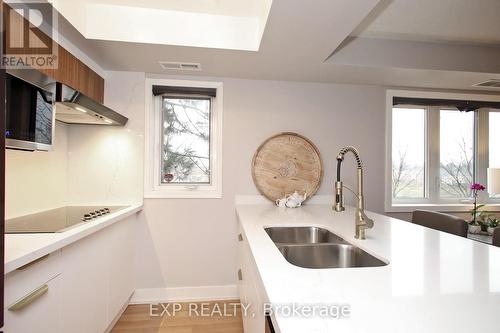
x: 243, y: 8
x: 225, y: 24
x: 470, y: 21
x: 299, y: 36
x: 296, y: 35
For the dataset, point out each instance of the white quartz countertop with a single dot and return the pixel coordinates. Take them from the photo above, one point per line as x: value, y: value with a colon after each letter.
x: 434, y: 282
x: 21, y: 249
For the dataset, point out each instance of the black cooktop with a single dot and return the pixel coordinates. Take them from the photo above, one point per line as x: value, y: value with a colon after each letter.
x: 57, y: 220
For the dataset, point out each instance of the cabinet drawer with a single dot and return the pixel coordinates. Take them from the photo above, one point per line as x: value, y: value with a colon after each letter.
x: 26, y: 279
x: 39, y: 313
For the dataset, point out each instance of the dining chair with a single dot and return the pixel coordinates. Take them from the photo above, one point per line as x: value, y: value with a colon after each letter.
x: 496, y: 237
x: 441, y: 221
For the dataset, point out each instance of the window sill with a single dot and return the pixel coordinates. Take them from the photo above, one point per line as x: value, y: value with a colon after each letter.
x: 449, y: 208
x: 183, y: 194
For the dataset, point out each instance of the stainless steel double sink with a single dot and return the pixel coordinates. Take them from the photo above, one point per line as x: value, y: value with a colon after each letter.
x: 314, y: 247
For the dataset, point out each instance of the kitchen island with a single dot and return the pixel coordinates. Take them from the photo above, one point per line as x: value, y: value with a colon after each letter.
x: 433, y: 281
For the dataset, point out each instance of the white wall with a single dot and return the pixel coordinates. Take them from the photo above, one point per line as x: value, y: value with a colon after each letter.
x: 36, y: 181
x: 192, y: 242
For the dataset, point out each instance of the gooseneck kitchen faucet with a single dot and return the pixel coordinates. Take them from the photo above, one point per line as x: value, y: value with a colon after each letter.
x: 362, y: 221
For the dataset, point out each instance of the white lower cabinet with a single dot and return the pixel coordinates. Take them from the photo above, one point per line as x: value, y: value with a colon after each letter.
x: 84, y: 285
x: 39, y: 310
x: 120, y: 281
x: 33, y: 296
x: 81, y: 288
x: 249, y: 290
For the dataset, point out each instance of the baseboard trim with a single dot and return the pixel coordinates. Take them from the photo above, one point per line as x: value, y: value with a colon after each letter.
x: 184, y: 294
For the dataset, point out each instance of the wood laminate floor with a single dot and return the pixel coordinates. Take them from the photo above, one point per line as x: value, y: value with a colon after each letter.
x: 196, y: 317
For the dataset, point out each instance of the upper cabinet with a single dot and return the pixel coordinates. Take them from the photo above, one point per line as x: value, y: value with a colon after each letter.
x: 74, y: 73
x: 69, y: 70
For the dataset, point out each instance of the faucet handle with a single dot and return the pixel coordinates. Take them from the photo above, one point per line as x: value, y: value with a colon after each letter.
x: 368, y: 222
x: 339, y: 197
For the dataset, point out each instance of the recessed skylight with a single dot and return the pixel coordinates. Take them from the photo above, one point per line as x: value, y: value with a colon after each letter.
x: 224, y: 24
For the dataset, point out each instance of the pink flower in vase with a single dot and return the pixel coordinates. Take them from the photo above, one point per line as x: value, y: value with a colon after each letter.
x: 477, y: 187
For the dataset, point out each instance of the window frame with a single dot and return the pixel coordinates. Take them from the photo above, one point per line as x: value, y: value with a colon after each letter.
x: 153, y: 186
x: 432, y: 201
x: 425, y: 199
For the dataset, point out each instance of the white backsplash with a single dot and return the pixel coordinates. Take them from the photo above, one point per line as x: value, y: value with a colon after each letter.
x: 37, y: 181
x: 105, y: 163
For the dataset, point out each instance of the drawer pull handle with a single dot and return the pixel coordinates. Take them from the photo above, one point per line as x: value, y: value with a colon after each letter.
x: 240, y: 237
x: 240, y: 275
x: 33, y: 262
x: 30, y: 298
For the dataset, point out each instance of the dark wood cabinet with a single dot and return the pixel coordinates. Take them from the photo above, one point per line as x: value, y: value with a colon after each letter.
x: 70, y: 70
x: 74, y: 73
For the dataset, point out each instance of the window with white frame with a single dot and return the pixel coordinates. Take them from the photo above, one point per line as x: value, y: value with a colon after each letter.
x: 438, y: 146
x: 183, y: 139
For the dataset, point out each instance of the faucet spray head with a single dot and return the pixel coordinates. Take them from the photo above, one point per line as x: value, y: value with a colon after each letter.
x: 339, y: 197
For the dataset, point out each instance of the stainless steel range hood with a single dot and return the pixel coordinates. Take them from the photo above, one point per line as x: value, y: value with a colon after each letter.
x: 73, y: 107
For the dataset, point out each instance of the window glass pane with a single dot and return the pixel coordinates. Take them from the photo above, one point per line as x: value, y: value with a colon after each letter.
x: 408, y: 153
x: 456, y: 153
x: 186, y: 140
x: 494, y: 133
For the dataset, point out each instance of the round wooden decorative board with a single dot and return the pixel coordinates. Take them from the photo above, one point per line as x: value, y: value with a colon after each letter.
x: 285, y: 163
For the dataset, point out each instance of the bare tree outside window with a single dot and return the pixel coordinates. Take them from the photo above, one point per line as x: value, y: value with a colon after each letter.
x: 405, y: 177
x: 438, y: 149
x: 458, y: 174
x: 457, y: 153
x: 186, y: 140
x: 408, y: 153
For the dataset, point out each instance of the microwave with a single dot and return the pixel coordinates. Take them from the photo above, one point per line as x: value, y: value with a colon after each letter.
x: 29, y: 110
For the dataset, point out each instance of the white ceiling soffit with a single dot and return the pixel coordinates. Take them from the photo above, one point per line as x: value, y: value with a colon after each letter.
x: 221, y: 24
x: 376, y: 52
x: 469, y: 21
x: 446, y: 35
